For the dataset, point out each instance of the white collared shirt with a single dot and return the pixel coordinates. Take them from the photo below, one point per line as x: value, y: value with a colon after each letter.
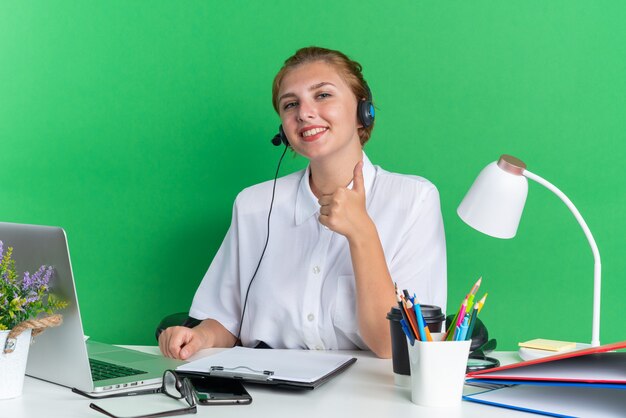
x: 303, y: 295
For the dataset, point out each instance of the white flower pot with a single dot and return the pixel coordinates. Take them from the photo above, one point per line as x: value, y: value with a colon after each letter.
x: 13, y: 365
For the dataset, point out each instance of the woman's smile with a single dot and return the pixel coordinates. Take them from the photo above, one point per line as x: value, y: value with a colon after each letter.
x: 312, y: 133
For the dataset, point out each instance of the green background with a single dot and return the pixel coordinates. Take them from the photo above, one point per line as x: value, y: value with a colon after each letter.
x: 134, y: 125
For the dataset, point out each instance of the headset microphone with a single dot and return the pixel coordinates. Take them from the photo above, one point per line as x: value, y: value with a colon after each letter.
x: 280, y: 137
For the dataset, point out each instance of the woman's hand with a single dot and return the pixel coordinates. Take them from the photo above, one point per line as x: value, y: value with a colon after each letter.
x: 344, y: 210
x: 182, y: 342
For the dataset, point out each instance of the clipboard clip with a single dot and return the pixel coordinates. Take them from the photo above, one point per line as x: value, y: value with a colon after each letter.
x: 248, y: 373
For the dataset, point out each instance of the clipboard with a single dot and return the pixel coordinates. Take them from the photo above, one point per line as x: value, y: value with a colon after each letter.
x: 296, y: 369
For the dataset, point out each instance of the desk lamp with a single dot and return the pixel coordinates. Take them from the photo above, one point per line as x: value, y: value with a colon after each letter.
x: 494, y: 205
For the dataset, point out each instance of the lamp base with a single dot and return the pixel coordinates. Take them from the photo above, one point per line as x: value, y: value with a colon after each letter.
x: 532, y: 354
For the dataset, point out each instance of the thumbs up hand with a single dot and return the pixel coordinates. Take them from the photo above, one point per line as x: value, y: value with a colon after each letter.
x: 344, y: 210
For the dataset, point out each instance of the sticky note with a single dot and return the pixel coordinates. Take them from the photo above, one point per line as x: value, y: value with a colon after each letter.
x: 548, y: 345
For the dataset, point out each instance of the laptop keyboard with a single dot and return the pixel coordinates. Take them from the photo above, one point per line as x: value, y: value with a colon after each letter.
x: 101, y: 370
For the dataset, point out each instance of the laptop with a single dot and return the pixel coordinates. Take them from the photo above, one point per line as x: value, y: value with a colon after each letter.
x: 61, y: 355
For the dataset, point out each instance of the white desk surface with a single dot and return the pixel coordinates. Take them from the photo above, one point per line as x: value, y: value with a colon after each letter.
x: 366, y: 389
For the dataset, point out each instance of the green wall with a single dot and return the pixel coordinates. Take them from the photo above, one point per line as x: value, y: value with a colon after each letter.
x: 134, y: 124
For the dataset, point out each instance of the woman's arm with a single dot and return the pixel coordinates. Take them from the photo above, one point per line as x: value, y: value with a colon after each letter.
x: 374, y: 289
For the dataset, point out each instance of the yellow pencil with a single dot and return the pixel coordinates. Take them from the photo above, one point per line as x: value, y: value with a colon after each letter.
x: 482, y: 302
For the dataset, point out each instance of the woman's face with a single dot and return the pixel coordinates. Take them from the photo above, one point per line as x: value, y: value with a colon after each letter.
x: 318, y: 111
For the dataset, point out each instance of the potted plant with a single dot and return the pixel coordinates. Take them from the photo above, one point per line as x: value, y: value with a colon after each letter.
x: 25, y: 308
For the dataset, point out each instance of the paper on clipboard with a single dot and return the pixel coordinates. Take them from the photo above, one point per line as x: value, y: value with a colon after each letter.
x: 303, y: 366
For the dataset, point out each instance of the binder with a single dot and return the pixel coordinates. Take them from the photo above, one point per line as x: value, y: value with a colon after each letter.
x: 589, y: 382
x: 591, y: 365
x: 569, y: 400
x: 297, y: 369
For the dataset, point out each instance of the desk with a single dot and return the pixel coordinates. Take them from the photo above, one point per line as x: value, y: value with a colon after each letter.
x: 366, y: 390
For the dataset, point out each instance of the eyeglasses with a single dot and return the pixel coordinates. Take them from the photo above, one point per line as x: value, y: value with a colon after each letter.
x: 173, y: 386
x: 479, y: 361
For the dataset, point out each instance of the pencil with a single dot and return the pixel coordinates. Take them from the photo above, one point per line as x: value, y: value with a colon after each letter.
x: 476, y: 286
x: 399, y: 299
x: 462, y: 312
x: 418, y: 319
x: 405, y: 319
x: 456, y: 322
x: 411, y: 319
x: 472, y: 321
x: 482, y: 302
x: 472, y: 293
x: 448, y: 335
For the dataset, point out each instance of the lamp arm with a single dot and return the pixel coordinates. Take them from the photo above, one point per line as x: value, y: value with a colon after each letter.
x: 595, y: 330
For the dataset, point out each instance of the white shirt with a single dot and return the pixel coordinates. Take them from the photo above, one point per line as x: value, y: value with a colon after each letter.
x: 303, y: 295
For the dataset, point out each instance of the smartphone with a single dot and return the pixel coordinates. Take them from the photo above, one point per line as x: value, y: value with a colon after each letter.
x: 220, y: 391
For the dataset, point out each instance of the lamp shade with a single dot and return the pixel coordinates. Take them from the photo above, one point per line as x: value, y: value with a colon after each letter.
x: 494, y: 203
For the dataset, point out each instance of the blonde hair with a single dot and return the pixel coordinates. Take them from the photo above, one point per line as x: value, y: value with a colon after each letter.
x: 351, y: 72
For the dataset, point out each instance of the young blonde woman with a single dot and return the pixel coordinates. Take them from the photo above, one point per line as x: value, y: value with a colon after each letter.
x: 342, y: 232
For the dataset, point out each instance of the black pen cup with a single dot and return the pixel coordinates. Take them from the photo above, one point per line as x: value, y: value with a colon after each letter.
x: 399, y: 353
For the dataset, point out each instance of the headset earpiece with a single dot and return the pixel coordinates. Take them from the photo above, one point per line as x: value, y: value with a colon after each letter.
x: 365, y: 110
x: 280, y: 137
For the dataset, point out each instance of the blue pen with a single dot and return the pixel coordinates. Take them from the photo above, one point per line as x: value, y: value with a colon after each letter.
x: 407, y: 332
x: 463, y: 329
x: 455, y: 337
x: 420, y: 322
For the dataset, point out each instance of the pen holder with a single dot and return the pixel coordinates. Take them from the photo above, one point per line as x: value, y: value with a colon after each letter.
x: 399, y: 354
x: 438, y: 371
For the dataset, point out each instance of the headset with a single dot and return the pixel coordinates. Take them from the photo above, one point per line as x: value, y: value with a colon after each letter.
x: 365, y: 113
